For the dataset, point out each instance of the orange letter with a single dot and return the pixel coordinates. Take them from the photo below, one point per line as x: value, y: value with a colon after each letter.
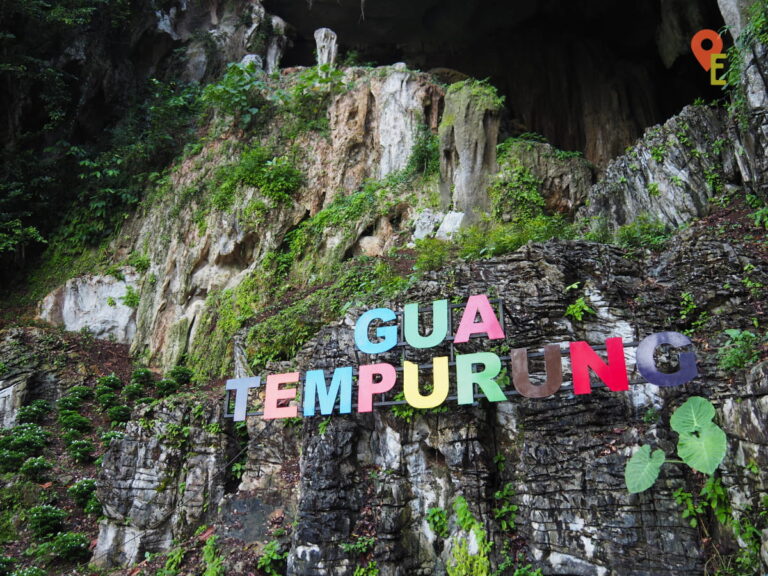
x: 274, y: 394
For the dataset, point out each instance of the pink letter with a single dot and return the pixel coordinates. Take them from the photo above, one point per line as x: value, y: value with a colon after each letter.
x: 274, y: 395
x: 488, y: 324
x: 366, y: 388
x: 614, y: 373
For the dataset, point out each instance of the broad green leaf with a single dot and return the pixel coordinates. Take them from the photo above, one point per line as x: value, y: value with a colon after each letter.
x: 693, y: 415
x: 643, y: 469
x: 703, y: 450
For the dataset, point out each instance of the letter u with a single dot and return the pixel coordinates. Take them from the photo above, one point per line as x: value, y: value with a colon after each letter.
x: 553, y: 362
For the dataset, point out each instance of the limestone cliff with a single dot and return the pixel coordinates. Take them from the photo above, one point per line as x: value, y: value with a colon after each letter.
x: 340, y: 188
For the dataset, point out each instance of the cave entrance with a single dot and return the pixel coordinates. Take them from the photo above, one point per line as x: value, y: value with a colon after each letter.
x: 589, y: 75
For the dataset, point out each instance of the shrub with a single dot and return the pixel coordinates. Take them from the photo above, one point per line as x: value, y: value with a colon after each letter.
x: 69, y: 402
x: 272, y: 559
x: 310, y: 95
x: 30, y: 571
x: 70, y: 436
x: 107, y: 437
x: 45, y: 520
x: 33, y: 413
x: 72, y: 420
x: 133, y: 391
x: 166, y: 387
x: 516, y: 195
x: 82, y: 490
x: 740, y: 350
x: 437, y: 519
x: 275, y: 176
x: 494, y: 239
x: 181, y: 374
x: 28, y: 439
x: 131, y: 298
x: 10, y: 460
x: 142, y: 376
x: 6, y: 565
x: 111, y: 381
x: 81, y: 450
x: 425, y: 153
x: 93, y: 507
x: 119, y: 414
x: 644, y: 232
x: 36, y: 468
x: 70, y: 547
x: 82, y: 392
x: 238, y: 93
x: 106, y: 399
x: 432, y: 253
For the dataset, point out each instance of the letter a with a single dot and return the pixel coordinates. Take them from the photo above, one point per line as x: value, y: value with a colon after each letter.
x: 488, y: 324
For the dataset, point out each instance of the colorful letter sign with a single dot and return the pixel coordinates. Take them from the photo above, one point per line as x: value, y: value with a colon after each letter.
x: 472, y: 375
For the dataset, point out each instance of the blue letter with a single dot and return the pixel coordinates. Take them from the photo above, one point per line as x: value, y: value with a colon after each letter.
x: 388, y: 334
x: 341, y: 387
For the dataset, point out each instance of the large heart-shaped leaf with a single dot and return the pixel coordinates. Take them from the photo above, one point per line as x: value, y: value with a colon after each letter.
x: 693, y: 415
x: 703, y: 449
x: 643, y: 469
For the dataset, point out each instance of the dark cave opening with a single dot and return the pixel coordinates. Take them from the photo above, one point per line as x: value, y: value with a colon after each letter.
x: 589, y: 75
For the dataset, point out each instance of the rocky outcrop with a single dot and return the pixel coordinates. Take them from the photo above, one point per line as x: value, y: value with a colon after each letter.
x: 469, y: 133
x: 563, y: 178
x: 161, y: 481
x: 670, y: 174
x: 377, y: 474
x: 372, y: 126
x: 96, y: 304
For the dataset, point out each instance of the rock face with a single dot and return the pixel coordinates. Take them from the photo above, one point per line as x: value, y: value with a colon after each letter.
x: 564, y: 456
x: 671, y: 174
x: 325, y: 38
x: 160, y: 482
x: 468, y: 136
x: 96, y: 304
x: 372, y: 130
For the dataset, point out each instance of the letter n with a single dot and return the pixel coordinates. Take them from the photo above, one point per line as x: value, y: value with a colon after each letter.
x: 613, y: 373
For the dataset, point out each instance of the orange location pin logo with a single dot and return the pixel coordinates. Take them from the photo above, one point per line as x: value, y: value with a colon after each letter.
x: 704, y: 55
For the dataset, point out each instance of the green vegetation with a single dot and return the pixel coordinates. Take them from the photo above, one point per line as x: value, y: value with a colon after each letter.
x: 272, y: 559
x: 755, y: 31
x: 359, y: 546
x: 274, y: 176
x: 44, y: 521
x: 239, y: 93
x: 36, y: 468
x: 425, y: 154
x: 740, y: 350
x: 481, y: 92
x: 643, y: 233
x: 131, y: 297
x: 310, y: 95
x: 33, y: 413
x: 578, y: 309
x: 701, y: 445
x: 437, y: 519
x: 370, y: 569
x: 214, y: 563
x: 505, y: 511
x: 463, y: 563
x: 82, y: 491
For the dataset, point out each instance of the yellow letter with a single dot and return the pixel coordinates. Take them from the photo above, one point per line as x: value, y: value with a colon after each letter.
x: 439, y: 393
x: 715, y: 66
